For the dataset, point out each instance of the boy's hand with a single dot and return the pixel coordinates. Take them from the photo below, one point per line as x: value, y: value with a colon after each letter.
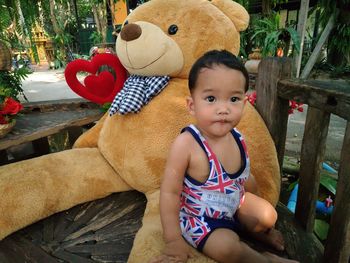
x: 178, y: 249
x: 175, y: 251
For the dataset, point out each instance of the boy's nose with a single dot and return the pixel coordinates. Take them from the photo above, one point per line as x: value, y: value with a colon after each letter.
x: 223, y: 110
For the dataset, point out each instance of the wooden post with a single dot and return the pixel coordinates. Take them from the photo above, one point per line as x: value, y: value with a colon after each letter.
x: 338, y: 242
x: 273, y: 109
x: 311, y: 157
x: 73, y: 134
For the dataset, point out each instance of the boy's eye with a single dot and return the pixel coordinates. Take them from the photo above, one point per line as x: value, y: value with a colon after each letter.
x: 210, y: 98
x: 234, y: 99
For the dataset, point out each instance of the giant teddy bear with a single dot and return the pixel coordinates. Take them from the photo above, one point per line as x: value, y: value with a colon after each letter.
x: 128, y: 151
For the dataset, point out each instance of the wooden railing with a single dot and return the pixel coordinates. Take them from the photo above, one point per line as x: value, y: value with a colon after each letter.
x: 274, y: 89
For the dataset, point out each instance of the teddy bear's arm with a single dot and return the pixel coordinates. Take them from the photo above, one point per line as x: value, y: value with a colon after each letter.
x: 39, y: 187
x: 89, y: 138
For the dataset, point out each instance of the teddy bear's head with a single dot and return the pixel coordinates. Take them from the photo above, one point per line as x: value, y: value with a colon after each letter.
x: 165, y: 37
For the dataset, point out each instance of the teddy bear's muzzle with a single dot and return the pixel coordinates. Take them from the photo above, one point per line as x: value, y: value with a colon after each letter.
x: 131, y: 32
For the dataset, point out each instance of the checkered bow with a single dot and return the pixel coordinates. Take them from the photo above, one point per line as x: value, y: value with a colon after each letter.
x: 137, y: 92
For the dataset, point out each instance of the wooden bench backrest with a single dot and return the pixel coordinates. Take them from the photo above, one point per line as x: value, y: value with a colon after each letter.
x: 274, y: 88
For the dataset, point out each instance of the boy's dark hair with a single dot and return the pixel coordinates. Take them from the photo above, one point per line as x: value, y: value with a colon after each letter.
x: 216, y: 57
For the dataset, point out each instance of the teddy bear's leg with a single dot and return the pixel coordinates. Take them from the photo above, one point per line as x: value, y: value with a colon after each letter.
x: 36, y: 188
x: 89, y: 138
x: 149, y: 242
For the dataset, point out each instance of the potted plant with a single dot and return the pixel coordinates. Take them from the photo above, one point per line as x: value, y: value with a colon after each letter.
x: 272, y: 39
x: 10, y: 89
x: 9, y: 108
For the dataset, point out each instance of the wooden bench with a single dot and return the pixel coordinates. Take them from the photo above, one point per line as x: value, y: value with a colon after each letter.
x: 42, y: 119
x: 98, y: 232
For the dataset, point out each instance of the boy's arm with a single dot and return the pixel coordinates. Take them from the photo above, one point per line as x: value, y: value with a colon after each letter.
x: 170, y: 192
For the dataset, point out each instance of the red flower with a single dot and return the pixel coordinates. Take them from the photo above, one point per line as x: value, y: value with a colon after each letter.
x: 293, y: 105
x: 11, y: 107
x: 252, y: 97
x: 8, y: 109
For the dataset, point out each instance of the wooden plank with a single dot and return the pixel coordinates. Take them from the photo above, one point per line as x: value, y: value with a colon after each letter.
x: 338, y: 242
x: 58, y: 105
x: 30, y: 127
x: 272, y: 109
x: 331, y: 96
x: 82, y: 219
x: 311, y: 157
x: 90, y: 246
x: 69, y: 257
x: 97, y: 224
x: 48, y: 230
x: 65, y: 221
x: 9, y: 252
x: 103, y: 248
x: 27, y: 251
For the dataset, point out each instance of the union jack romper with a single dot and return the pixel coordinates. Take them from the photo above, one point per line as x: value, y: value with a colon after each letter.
x: 213, y: 204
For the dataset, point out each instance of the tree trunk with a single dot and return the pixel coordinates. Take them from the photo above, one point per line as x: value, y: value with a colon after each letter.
x: 302, y: 21
x: 56, y: 27
x: 75, y: 9
x: 315, y: 53
x: 58, y: 30
x: 266, y: 7
x: 100, y: 16
x: 21, y: 17
x: 111, y: 6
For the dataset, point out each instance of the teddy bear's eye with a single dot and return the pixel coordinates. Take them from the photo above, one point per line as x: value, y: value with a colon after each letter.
x: 172, y: 29
x: 126, y: 22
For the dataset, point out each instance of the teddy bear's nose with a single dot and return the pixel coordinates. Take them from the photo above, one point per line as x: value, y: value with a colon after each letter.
x: 130, y: 32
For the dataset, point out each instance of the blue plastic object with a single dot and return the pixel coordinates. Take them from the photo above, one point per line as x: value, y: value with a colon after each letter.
x: 320, y: 206
x: 292, y: 202
x: 328, y: 168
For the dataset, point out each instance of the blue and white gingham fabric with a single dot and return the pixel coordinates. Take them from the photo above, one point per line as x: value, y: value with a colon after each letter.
x: 137, y: 92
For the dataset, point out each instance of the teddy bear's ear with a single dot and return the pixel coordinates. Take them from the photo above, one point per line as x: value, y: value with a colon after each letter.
x: 237, y: 13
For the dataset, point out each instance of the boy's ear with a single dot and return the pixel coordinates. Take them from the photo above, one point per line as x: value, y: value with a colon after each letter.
x: 190, y: 105
x: 245, y: 99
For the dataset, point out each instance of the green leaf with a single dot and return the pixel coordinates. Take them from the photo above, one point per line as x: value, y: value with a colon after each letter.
x: 105, y: 107
x: 292, y: 185
x: 328, y: 182
x: 321, y: 229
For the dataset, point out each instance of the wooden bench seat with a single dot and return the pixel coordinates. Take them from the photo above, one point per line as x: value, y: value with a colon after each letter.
x: 103, y: 231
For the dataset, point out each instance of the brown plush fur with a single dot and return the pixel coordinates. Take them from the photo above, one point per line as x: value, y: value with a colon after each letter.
x: 129, y: 152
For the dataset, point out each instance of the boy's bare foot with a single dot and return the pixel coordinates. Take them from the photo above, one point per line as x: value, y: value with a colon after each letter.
x: 276, y: 259
x: 271, y: 237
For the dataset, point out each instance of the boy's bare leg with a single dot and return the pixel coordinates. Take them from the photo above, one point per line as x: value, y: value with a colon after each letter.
x: 223, y: 245
x: 258, y: 218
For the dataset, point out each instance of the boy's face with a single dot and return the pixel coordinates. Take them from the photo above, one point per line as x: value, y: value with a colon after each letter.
x: 218, y: 99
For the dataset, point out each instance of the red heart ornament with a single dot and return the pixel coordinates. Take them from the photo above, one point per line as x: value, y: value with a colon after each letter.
x: 99, y: 88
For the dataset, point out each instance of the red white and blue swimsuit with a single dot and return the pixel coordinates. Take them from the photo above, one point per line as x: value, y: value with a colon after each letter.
x: 212, y: 204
